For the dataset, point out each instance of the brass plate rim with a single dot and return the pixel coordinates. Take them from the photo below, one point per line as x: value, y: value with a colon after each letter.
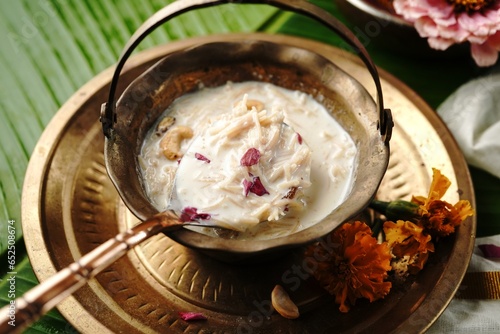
x: 41, y: 259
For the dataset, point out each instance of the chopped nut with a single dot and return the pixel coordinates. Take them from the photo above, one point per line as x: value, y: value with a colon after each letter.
x: 291, y: 193
x: 283, y: 304
x: 163, y: 126
x: 171, y: 143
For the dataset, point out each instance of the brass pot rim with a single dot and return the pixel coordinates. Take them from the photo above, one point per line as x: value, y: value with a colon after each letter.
x: 185, y: 69
x: 117, y: 142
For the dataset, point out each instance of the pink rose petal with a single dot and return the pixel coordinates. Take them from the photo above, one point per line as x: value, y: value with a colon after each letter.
x: 258, y: 188
x: 190, y: 214
x: 246, y: 187
x: 490, y: 251
x: 255, y: 186
x: 250, y: 158
x: 190, y: 316
x: 201, y: 157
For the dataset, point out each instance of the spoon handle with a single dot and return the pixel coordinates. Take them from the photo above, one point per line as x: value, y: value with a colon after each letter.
x: 33, y: 304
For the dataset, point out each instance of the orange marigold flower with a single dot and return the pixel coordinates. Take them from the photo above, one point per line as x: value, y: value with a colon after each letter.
x: 409, y: 245
x: 440, y: 217
x: 353, y: 266
x: 438, y: 188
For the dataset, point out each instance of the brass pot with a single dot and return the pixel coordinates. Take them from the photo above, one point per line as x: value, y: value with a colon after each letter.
x: 126, y: 124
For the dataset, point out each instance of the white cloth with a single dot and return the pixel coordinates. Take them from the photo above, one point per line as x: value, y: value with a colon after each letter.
x: 473, y: 315
x: 472, y: 113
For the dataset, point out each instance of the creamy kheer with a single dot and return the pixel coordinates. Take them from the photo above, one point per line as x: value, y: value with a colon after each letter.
x: 304, y: 170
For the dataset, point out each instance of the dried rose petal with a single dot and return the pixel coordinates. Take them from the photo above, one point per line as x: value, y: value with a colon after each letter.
x: 255, y: 186
x: 201, y: 157
x: 251, y: 157
x: 190, y: 214
x: 190, y: 316
x: 299, y: 138
x: 490, y: 251
x: 246, y: 186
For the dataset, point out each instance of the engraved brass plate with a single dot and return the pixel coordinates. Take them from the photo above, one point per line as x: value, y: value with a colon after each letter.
x: 70, y: 207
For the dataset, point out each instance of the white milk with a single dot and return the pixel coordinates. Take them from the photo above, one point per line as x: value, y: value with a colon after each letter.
x: 332, y: 155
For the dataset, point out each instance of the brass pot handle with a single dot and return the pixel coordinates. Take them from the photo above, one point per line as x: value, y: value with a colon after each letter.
x: 108, y: 109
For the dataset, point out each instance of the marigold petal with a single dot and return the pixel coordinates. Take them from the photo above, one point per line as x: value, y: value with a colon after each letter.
x: 374, y: 290
x: 341, y: 299
x: 420, y: 200
x: 418, y: 263
x: 441, y: 218
x: 346, y: 235
x: 439, y: 185
x: 406, y: 238
x: 464, y: 209
x: 355, y: 267
x: 410, y: 245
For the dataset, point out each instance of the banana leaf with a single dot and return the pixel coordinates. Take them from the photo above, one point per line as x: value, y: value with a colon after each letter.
x: 50, y: 48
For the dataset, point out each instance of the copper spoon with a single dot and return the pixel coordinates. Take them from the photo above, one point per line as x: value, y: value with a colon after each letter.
x: 24, y: 310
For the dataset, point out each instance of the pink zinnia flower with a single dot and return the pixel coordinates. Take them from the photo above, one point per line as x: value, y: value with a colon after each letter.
x: 447, y: 22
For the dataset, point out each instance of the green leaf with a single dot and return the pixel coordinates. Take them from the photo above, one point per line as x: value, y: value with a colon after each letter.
x: 23, y: 280
x: 50, y: 48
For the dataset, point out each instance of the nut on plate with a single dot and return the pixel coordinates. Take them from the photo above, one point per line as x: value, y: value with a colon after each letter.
x: 283, y: 304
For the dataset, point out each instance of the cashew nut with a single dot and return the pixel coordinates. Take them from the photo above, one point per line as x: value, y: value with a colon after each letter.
x: 171, y: 142
x: 163, y: 126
